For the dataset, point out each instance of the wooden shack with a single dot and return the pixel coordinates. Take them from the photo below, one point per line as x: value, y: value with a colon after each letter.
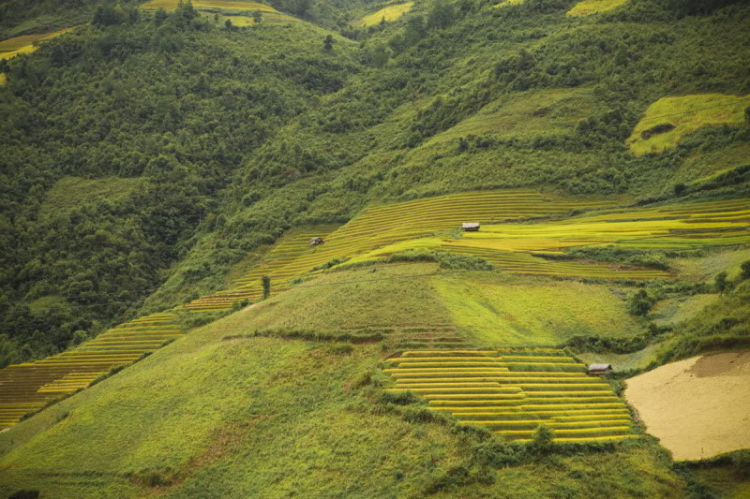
x: 599, y: 369
x: 315, y: 241
x: 470, y: 226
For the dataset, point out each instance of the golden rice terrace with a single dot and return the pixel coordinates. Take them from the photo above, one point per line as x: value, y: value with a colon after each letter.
x: 28, y: 387
x: 513, y: 391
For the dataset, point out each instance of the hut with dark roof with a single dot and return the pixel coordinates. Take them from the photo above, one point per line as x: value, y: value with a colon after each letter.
x: 599, y: 369
x: 315, y: 241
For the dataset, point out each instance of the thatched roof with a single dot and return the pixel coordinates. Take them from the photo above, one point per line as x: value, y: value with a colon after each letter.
x: 470, y: 225
x: 600, y: 367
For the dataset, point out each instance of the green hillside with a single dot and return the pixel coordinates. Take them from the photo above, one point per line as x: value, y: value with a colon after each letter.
x: 208, y: 415
x: 169, y: 328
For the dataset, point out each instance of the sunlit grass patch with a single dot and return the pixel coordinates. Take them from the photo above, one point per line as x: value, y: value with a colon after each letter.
x: 72, y: 192
x: 588, y: 7
x: 3, y: 79
x: 542, y: 112
x: 25, y: 44
x: 389, y: 13
x: 211, y: 4
x: 669, y: 119
x: 505, y: 3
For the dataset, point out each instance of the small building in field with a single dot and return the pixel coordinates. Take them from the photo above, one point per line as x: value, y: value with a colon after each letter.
x: 470, y: 226
x: 315, y: 241
x: 599, y: 369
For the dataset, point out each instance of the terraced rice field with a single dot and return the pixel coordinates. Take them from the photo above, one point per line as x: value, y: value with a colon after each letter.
x: 233, y: 5
x: 381, y: 226
x: 381, y: 231
x: 588, y: 7
x: 679, y: 116
x: 512, y: 247
x: 25, y: 44
x: 513, y: 391
x: 27, y: 387
x: 389, y: 13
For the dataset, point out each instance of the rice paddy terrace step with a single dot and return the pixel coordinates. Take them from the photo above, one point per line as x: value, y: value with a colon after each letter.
x: 512, y: 391
x: 29, y: 386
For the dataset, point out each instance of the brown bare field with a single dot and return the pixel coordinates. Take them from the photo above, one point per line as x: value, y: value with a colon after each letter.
x: 699, y: 407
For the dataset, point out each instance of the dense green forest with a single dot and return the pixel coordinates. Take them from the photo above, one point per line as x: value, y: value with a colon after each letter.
x: 207, y: 141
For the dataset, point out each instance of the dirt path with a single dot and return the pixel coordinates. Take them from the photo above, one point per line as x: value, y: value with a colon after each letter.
x: 698, y: 407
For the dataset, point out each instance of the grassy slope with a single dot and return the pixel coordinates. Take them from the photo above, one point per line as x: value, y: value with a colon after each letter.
x: 526, y: 114
x: 389, y: 13
x: 725, y: 481
x: 622, y: 362
x: 588, y: 7
x: 210, y: 417
x: 500, y: 310
x: 74, y: 192
x: 357, y: 299
x: 685, y: 114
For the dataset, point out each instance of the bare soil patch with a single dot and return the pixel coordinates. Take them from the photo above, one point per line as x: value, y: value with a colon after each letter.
x: 699, y: 407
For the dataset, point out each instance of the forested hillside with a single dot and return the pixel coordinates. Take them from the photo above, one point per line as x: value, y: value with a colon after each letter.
x: 192, y: 142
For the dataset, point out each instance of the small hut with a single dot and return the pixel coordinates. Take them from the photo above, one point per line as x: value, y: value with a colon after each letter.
x: 470, y: 226
x: 315, y: 241
x: 599, y: 369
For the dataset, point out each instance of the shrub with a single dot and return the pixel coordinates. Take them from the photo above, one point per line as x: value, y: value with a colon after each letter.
x: 331, y: 263
x: 745, y: 270
x: 721, y: 283
x: 741, y: 464
x: 641, y: 303
x: 657, y: 129
x: 496, y: 454
x: 399, y: 398
x: 458, y: 476
x: 342, y: 349
x: 542, y: 443
x: 24, y: 494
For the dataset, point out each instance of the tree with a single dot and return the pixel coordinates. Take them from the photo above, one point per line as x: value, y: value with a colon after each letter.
x: 108, y: 15
x: 266, y: 282
x: 160, y: 16
x: 257, y: 16
x: 328, y: 43
x: 641, y: 303
x: 721, y: 282
x: 228, y: 24
x: 415, y: 30
x: 441, y: 16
